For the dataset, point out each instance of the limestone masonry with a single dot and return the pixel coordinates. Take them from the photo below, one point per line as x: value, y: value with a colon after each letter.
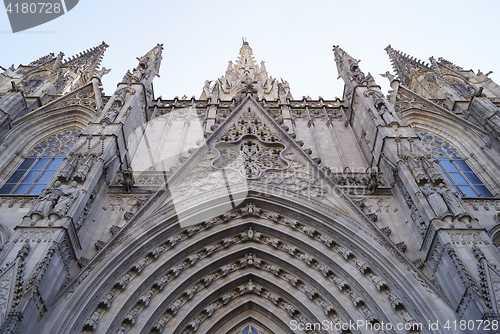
x: 248, y: 210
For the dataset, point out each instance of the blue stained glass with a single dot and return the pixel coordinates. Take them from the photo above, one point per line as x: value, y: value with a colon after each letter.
x: 463, y: 88
x: 462, y: 165
x: 41, y: 163
x: 448, y: 165
x: 245, y: 331
x: 31, y: 177
x: 36, y: 84
x: 46, y: 176
x: 449, y: 179
x: 7, y: 188
x: 468, y: 191
x: 458, y: 178
x: 47, y: 148
x: 27, y: 163
x: 16, y: 176
x: 37, y: 189
x: 54, y: 165
x: 254, y: 331
x: 22, y: 189
x: 473, y: 178
x: 483, y: 191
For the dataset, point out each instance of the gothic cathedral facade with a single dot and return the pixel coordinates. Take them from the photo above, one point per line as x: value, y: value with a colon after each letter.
x: 246, y: 210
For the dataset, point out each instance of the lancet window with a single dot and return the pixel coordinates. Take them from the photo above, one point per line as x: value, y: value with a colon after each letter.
x: 35, y: 172
x: 456, y: 169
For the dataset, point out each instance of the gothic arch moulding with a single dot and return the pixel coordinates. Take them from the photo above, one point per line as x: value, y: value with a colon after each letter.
x: 267, y: 260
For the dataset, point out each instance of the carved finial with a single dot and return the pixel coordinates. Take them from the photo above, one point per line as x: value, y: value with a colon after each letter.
x: 244, y: 39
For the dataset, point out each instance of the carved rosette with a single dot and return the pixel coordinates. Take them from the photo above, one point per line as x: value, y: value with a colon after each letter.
x: 250, y: 157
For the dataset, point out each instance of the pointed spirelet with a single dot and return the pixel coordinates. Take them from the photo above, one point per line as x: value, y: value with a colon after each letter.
x: 404, y: 65
x: 350, y: 71
x: 246, y: 61
x: 148, y: 68
x: 87, y: 62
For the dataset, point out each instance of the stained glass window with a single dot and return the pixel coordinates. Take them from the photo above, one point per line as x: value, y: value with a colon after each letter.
x: 454, y: 167
x: 32, y: 84
x: 35, y: 172
x: 249, y: 330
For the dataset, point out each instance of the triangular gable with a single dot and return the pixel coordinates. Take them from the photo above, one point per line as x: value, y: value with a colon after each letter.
x: 249, y: 152
x: 83, y: 96
x: 407, y: 99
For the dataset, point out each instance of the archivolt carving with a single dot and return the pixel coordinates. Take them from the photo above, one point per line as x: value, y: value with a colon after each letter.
x: 248, y: 260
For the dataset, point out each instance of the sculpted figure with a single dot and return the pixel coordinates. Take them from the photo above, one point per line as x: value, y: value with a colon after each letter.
x: 451, y: 199
x: 66, y: 200
x: 386, y: 114
x: 81, y: 172
x: 69, y: 168
x: 48, y: 198
x: 206, y: 88
x: 388, y: 75
x: 128, y: 181
x: 373, y: 182
x: 435, y: 200
x: 102, y: 72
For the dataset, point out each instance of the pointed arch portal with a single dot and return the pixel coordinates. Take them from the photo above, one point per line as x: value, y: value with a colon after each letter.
x: 278, y: 264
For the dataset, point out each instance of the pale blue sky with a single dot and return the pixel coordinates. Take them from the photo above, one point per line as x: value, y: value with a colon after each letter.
x: 294, y: 38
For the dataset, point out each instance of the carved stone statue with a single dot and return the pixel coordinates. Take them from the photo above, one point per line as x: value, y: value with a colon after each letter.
x: 206, y: 88
x: 66, y: 200
x: 385, y: 113
x: 436, y: 201
x: 102, y: 72
x: 429, y: 167
x: 139, y: 71
x: 357, y: 74
x: 69, y: 168
x: 389, y: 76
x: 128, y: 181
x: 84, y: 168
x: 373, y: 182
x: 48, y: 198
x: 112, y: 112
x: 451, y: 199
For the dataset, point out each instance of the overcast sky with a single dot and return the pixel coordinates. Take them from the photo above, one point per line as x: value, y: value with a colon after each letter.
x: 294, y: 38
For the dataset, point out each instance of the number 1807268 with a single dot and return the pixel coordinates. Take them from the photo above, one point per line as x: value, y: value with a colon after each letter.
x: 33, y: 7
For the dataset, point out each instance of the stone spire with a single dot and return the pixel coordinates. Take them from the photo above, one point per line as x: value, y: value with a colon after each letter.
x: 148, y: 68
x: 87, y: 62
x: 246, y: 62
x: 349, y: 70
x: 245, y: 76
x: 347, y: 66
x: 404, y: 65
